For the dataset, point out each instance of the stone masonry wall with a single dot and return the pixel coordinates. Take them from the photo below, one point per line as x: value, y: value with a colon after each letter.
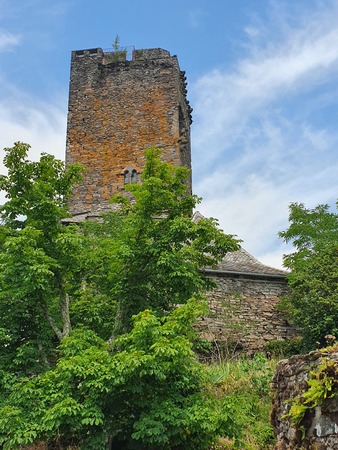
x: 243, y: 312
x: 117, y: 109
x: 318, y: 430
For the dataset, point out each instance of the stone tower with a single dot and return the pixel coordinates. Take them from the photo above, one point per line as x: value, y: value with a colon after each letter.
x: 117, y: 109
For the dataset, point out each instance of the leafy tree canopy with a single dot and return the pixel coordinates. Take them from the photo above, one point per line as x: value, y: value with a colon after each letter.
x: 145, y: 390
x: 162, y: 249
x: 67, y: 298
x: 313, y: 301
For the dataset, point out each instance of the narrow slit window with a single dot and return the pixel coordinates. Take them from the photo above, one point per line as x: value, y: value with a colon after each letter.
x: 126, y: 177
x: 134, y: 176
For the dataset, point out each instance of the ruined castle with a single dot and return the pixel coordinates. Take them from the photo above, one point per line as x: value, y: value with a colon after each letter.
x: 121, y: 104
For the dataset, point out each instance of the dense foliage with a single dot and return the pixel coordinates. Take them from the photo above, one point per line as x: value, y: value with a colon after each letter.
x: 145, y: 390
x: 75, y: 366
x: 313, y: 301
x: 39, y: 259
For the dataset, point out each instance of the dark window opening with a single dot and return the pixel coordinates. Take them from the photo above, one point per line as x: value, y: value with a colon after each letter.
x: 126, y: 177
x: 130, y: 175
x: 134, y: 176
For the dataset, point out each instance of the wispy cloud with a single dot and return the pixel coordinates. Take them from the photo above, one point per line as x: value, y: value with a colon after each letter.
x: 56, y: 9
x: 23, y: 116
x: 195, y: 17
x: 256, y: 131
x: 37, y: 20
x: 8, y: 40
x: 28, y: 119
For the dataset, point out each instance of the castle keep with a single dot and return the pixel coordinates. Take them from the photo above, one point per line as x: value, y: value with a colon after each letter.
x: 117, y: 109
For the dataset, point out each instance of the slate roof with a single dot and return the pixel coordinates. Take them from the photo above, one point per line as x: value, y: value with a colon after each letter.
x: 242, y: 262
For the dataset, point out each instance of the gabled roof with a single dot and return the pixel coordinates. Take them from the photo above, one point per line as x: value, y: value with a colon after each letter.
x: 241, y: 262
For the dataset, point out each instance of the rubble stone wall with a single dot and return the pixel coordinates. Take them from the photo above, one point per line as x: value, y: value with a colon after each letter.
x: 243, y: 312
x: 318, y: 430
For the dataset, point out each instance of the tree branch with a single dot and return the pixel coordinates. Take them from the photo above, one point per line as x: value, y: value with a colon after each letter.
x: 52, y: 324
x: 65, y: 315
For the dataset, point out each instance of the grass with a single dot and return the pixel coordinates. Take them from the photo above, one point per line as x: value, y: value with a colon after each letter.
x: 245, y: 384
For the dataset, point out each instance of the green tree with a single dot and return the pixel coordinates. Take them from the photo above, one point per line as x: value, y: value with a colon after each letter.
x: 38, y: 256
x: 151, y: 246
x: 145, y: 390
x: 67, y: 298
x: 313, y: 301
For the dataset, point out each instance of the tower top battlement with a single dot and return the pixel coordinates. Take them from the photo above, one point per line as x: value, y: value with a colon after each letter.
x: 108, y: 55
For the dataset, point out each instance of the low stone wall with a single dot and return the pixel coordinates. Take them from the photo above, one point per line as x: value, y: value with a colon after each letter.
x: 318, y: 428
x: 243, y: 312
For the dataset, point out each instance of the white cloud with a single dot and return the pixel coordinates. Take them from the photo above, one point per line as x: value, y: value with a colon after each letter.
x: 195, y: 17
x: 232, y: 98
x: 252, y: 32
x: 27, y: 119
x: 255, y: 133
x: 8, y: 40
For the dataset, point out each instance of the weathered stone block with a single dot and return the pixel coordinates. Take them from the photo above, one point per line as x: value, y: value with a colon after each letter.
x: 318, y: 429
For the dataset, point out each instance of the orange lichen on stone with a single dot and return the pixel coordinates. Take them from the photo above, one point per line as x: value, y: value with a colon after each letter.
x: 116, y: 111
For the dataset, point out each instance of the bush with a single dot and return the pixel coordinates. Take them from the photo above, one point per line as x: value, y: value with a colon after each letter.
x: 281, y: 349
x: 146, y: 390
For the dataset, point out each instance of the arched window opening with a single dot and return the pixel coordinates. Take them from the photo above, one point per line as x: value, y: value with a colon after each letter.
x: 130, y: 175
x: 134, y: 176
x: 126, y: 177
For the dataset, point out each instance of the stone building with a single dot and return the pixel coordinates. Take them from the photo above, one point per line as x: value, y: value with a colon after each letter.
x: 118, y: 107
x: 243, y: 314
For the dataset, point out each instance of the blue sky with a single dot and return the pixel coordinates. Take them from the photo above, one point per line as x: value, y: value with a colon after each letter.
x: 263, y: 82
